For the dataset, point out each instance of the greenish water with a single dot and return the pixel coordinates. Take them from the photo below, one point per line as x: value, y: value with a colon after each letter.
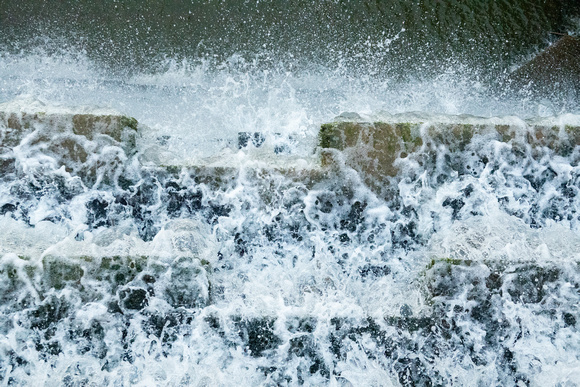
x: 387, y: 38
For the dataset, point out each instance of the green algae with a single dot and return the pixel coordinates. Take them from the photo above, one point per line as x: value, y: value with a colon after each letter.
x: 524, y: 281
x: 120, y: 128
x: 372, y: 148
x: 448, y: 261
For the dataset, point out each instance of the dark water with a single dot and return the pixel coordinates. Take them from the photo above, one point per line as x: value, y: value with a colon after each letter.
x: 384, y: 38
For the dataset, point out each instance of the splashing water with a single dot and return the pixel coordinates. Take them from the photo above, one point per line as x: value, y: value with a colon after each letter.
x: 189, y: 258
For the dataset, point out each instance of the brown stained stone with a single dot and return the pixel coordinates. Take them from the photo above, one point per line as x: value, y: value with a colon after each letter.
x: 88, y: 125
x: 17, y: 124
x: 372, y: 148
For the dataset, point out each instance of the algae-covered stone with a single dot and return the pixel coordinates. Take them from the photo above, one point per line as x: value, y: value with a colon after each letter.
x: 526, y: 282
x: 15, y: 124
x: 60, y: 272
x: 115, y: 271
x: 373, y: 148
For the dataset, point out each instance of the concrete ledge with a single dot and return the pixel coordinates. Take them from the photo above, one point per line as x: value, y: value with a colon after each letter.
x: 521, y: 281
x: 17, y: 124
x: 371, y: 148
x: 76, y: 139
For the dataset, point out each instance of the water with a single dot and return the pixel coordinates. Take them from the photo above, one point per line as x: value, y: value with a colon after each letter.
x: 189, y: 261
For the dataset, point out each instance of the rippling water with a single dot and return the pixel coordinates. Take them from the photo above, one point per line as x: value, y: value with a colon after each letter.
x: 188, y: 259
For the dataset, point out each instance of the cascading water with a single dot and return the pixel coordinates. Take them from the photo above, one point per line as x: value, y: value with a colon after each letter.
x: 208, y: 244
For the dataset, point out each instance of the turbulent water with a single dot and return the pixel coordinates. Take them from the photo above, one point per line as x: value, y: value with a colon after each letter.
x: 191, y: 259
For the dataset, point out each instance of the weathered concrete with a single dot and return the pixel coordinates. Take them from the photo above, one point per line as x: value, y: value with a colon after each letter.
x: 17, y: 124
x: 372, y: 148
x: 522, y: 281
x: 70, y: 137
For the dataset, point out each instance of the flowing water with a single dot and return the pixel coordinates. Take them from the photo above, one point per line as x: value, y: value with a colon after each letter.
x: 190, y: 259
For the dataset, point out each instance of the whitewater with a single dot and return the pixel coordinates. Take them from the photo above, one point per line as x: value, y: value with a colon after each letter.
x: 215, y: 246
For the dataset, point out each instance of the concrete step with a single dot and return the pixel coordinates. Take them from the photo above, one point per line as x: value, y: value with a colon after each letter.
x: 372, y: 148
x: 19, y: 119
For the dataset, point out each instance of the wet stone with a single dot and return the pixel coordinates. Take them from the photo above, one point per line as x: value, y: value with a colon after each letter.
x: 412, y: 372
x: 569, y: 319
x: 455, y: 204
x: 48, y: 348
x: 305, y: 347
x: 50, y: 312
x: 304, y: 324
x: 258, y: 335
x: 165, y: 326
x: 182, y: 201
x: 188, y: 284
x: 374, y: 271
x: 527, y: 285
x: 60, y: 272
x: 13, y: 279
x: 409, y: 323
x: 372, y: 149
x: 488, y: 286
x: 117, y: 271
x: 134, y: 299
x: 404, y: 236
x: 97, y: 211
x: 69, y: 138
x: 8, y: 207
x: 406, y: 311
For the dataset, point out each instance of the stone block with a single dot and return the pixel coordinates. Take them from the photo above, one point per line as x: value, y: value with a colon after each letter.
x: 372, y: 148
x: 15, y: 125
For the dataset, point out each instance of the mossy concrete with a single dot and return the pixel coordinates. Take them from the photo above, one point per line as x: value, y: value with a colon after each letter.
x: 221, y: 177
x: 70, y: 139
x: 524, y: 281
x: 17, y: 125
x: 372, y: 148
